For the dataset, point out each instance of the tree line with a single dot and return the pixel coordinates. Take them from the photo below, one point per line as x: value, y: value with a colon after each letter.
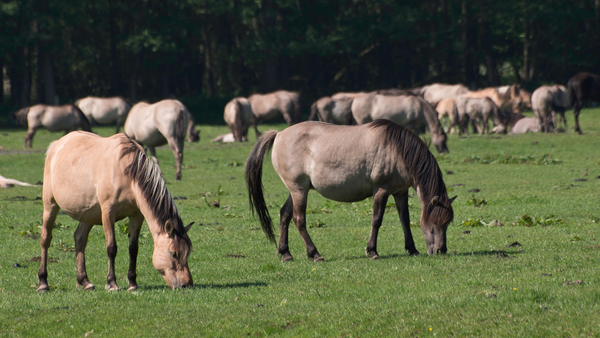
x: 150, y: 49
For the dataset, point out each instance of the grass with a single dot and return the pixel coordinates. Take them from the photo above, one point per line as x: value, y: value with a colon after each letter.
x: 485, y: 286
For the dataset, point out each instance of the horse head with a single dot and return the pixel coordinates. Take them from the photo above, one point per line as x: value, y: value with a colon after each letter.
x: 435, y: 225
x: 439, y: 142
x: 171, y: 251
x: 20, y: 117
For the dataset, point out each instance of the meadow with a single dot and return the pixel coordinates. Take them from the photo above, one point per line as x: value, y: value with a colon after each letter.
x: 523, y: 251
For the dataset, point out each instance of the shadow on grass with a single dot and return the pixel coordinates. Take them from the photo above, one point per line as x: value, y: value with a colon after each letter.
x: 500, y: 254
x: 209, y: 286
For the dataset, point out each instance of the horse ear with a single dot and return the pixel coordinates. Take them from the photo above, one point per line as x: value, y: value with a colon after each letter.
x: 169, y: 228
x: 435, y: 200
x: 187, y: 227
x: 453, y: 198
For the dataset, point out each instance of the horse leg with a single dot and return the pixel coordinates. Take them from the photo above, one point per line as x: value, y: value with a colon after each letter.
x: 81, y: 238
x: 380, y: 198
x: 286, y: 214
x: 254, y: 122
x: 576, y: 110
x: 554, y: 122
x: 401, y: 199
x: 50, y: 212
x: 178, y: 154
x: 154, y: 158
x: 299, y: 207
x: 108, y: 223
x: 29, y: 137
x: 135, y: 225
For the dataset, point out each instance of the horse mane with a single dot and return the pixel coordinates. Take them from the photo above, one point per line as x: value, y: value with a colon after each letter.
x: 147, y: 176
x: 422, y: 167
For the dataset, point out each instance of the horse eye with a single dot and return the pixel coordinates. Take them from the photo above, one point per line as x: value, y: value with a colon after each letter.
x: 174, y: 255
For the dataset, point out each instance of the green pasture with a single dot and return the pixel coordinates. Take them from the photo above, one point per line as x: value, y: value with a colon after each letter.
x: 523, y: 251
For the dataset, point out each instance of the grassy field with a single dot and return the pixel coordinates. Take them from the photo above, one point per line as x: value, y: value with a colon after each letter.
x: 531, y: 192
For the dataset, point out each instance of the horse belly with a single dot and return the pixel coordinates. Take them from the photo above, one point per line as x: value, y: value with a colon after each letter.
x: 342, y: 184
x: 105, y: 116
x: 57, y: 123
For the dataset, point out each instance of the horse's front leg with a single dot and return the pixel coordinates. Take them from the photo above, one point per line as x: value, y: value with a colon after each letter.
x: 81, y: 238
x: 50, y: 212
x: 286, y: 213
x: 299, y: 207
x: 401, y: 199
x: 108, y: 223
x: 380, y: 197
x: 135, y: 225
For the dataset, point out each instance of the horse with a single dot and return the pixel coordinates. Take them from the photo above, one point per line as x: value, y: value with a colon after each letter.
x: 447, y: 108
x: 524, y: 101
x: 154, y: 125
x: 346, y: 95
x: 526, y: 125
x: 397, y: 92
x: 409, y: 111
x: 547, y: 102
x: 378, y: 159
x: 506, y: 97
x: 97, y: 180
x: 238, y: 116
x: 269, y: 106
x: 193, y: 134
x: 9, y: 183
x: 436, y: 92
x: 54, y: 118
x: 330, y: 110
x: 583, y: 87
x: 227, y: 138
x: 100, y: 110
x: 479, y: 110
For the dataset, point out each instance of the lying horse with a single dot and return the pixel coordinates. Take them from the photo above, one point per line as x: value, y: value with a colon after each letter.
x: 238, y: 116
x: 436, y: 92
x: 377, y: 159
x: 411, y: 112
x: 330, y: 110
x: 547, y: 102
x: 526, y: 125
x: 105, y: 110
x: 583, y: 87
x: 157, y: 124
x: 98, y: 180
x: 269, y: 106
x: 54, y: 118
x: 447, y: 108
x: 9, y: 183
x: 479, y: 110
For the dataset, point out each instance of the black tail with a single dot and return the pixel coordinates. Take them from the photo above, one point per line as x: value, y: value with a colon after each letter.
x: 571, y: 90
x: 254, y: 182
x: 84, y: 123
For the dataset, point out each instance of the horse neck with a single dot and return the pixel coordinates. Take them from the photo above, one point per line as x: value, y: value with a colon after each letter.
x: 147, y: 211
x: 431, y: 116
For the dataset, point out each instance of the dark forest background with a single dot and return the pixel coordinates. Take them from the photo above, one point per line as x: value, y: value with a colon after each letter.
x: 207, y: 50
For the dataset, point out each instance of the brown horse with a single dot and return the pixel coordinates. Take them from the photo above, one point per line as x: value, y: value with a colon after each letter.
x: 157, y: 124
x: 330, y: 110
x: 411, y: 112
x: 349, y: 164
x: 583, y: 87
x: 238, y: 116
x: 54, y: 118
x: 269, y: 106
x: 105, y: 110
x: 447, y: 108
x: 98, y: 180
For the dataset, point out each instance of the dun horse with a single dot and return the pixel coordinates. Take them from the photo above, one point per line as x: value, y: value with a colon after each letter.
x: 54, y: 118
x: 238, y: 116
x: 330, y: 110
x: 349, y: 164
x: 548, y: 101
x: 583, y: 87
x: 436, y: 92
x: 105, y: 110
x: 157, y: 124
x: 479, y: 110
x: 269, y: 106
x: 409, y: 111
x: 507, y: 98
x: 447, y: 108
x: 98, y: 180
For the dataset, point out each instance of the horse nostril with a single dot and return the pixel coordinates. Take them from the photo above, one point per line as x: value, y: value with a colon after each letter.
x: 183, y: 286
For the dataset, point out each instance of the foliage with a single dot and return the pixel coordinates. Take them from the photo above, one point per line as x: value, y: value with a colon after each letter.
x: 474, y: 222
x: 528, y: 221
x: 476, y: 202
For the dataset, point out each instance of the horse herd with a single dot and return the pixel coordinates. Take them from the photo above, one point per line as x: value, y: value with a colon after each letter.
x: 378, y: 157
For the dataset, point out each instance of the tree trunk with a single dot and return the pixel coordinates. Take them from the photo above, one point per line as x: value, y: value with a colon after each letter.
x: 25, y: 79
x: 209, y: 83
x: 49, y: 86
x: 135, y: 74
x: 525, y: 44
x: 467, y: 38
x: 486, y: 41
x: 115, y: 88
x: 165, y: 81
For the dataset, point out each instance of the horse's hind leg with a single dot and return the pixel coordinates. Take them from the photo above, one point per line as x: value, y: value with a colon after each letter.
x: 380, y: 198
x: 576, y: 111
x: 108, y: 223
x: 50, y: 212
x: 401, y: 199
x: 81, y: 238
x: 286, y: 214
x: 29, y: 137
x: 178, y: 154
x: 299, y: 206
x: 135, y: 225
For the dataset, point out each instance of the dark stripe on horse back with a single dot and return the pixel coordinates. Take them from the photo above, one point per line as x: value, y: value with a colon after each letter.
x: 421, y: 166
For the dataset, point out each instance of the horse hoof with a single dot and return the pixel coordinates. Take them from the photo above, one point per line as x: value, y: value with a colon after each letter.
x: 287, y: 259
x: 89, y: 287
x: 111, y: 288
x: 414, y: 253
x: 43, y: 288
x: 132, y: 288
x: 318, y: 259
x: 374, y: 256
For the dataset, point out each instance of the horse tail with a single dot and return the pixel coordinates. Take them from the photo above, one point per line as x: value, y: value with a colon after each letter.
x: 238, y: 118
x: 84, y: 123
x: 314, y: 112
x: 180, y: 128
x: 571, y: 91
x: 296, y: 102
x: 254, y: 184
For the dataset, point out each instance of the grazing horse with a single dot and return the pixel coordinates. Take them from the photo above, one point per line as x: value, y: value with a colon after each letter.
x: 154, y: 125
x: 506, y: 97
x: 269, y: 106
x: 409, y: 111
x: 54, y: 118
x: 98, y: 180
x: 583, y: 87
x: 479, y: 110
x: 100, y: 110
x: 436, y: 92
x: 447, y: 108
x: 349, y: 164
x: 238, y: 116
x: 330, y: 110
x: 547, y: 102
